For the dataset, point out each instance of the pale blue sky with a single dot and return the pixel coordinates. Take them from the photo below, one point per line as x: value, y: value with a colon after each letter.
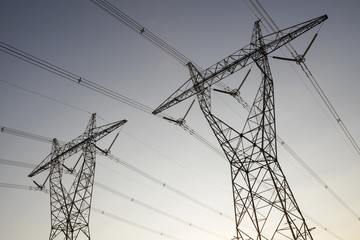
x: 81, y: 38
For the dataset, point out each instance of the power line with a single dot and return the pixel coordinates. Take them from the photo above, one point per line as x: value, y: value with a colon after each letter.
x: 102, y: 212
x: 118, y: 14
x: 190, y: 224
x: 176, y: 162
x: 31, y: 136
x: 72, y: 77
x: 17, y: 163
x: 318, y: 179
x: 165, y: 185
x: 18, y: 186
x: 47, y: 97
x: 111, y: 215
x: 146, y: 33
x: 331, y: 108
x: 324, y: 228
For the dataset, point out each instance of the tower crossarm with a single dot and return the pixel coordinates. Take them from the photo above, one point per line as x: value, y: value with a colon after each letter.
x: 76, y: 144
x: 237, y: 61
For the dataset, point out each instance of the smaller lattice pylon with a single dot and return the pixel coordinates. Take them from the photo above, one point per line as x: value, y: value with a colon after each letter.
x: 70, y: 209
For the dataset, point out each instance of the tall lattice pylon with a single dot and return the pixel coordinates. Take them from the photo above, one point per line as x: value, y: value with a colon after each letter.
x: 265, y: 207
x: 70, y: 209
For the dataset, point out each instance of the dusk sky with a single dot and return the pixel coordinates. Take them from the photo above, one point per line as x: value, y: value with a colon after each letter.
x: 81, y: 38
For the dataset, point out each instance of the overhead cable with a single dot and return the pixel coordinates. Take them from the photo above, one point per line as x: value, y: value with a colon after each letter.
x: 324, y: 228
x: 128, y: 166
x: 17, y: 163
x: 72, y: 77
x: 106, y: 188
x: 157, y: 210
x: 318, y: 179
x: 116, y: 217
x: 18, y: 186
x: 19, y: 133
x: 164, y: 185
x: 102, y: 212
x: 47, y: 97
x: 118, y: 14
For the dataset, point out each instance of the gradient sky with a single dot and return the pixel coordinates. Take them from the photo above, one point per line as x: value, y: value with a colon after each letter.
x: 80, y: 37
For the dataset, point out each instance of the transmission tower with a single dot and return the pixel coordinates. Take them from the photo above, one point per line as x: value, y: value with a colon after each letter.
x: 70, y: 209
x: 261, y: 194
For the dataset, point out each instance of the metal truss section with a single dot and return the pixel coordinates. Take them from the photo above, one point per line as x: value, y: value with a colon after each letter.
x: 70, y: 209
x: 235, y: 62
x: 73, y: 146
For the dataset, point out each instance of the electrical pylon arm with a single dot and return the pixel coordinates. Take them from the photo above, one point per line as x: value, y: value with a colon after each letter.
x: 236, y: 61
x: 75, y: 145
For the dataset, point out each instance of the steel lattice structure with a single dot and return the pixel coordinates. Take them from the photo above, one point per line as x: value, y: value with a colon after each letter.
x: 70, y: 209
x: 236, y: 61
x: 261, y: 194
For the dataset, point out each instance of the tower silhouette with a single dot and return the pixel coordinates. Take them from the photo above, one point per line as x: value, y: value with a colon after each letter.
x: 263, y: 201
x: 70, y: 209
